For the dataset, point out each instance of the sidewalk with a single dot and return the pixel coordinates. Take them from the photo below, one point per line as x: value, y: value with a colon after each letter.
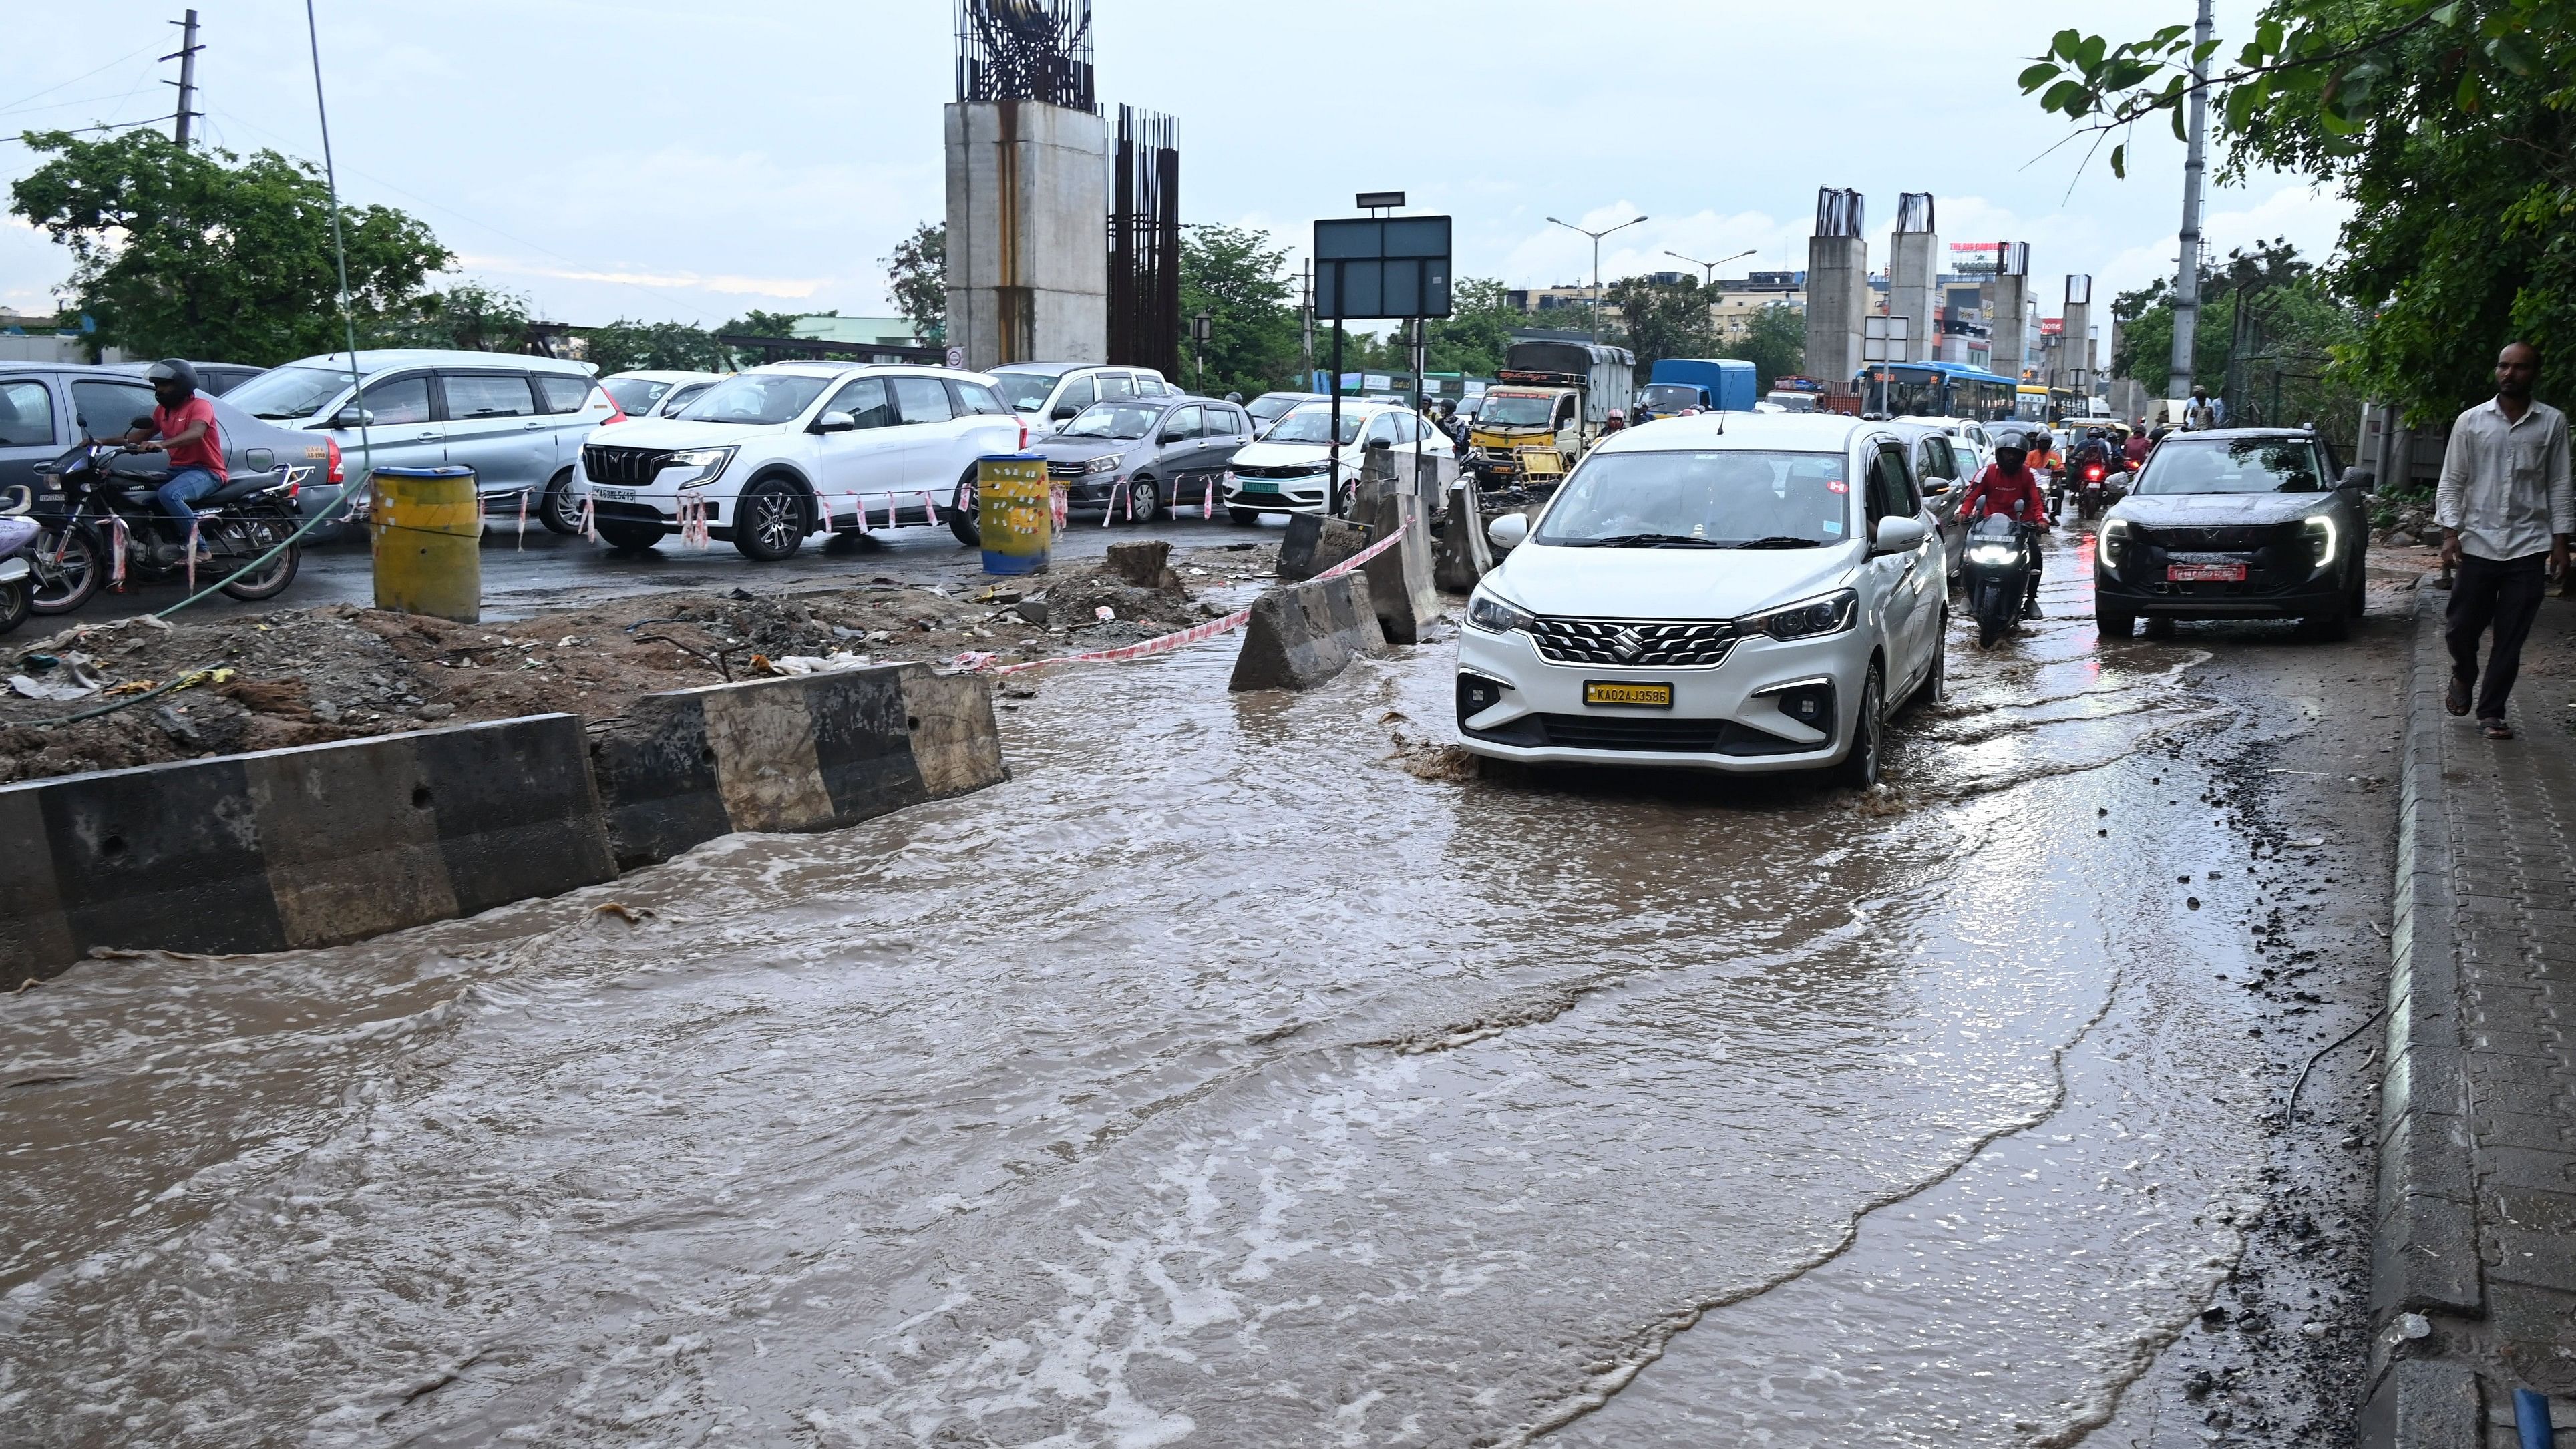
x: 2476, y: 1227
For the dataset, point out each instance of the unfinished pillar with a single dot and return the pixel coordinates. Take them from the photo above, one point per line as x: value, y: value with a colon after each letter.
x: 1913, y: 282
x: 2075, y: 345
x: 1028, y: 191
x: 2011, y: 311
x: 1837, y: 289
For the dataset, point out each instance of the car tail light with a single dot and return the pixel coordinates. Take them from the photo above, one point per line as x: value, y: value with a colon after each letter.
x: 1024, y: 437
x: 333, y: 474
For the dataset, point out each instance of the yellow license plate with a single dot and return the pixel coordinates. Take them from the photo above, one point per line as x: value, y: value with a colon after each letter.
x: 1652, y: 696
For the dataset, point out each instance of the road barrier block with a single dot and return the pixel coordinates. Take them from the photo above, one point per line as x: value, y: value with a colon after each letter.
x: 813, y: 752
x: 298, y: 847
x: 1400, y: 578
x: 1462, y: 557
x: 1304, y: 634
x: 1316, y: 543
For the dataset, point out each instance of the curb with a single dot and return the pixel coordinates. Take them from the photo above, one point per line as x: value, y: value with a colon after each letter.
x: 2424, y: 1253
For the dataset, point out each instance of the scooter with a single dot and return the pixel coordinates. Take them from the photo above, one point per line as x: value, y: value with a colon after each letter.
x: 17, y: 575
x: 103, y: 526
x: 2003, y: 559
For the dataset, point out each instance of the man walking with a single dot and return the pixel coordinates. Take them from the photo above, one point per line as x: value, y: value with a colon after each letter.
x: 2203, y: 413
x: 2505, y: 506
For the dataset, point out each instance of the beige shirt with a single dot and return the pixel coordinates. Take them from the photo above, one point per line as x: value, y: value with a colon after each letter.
x: 2505, y: 485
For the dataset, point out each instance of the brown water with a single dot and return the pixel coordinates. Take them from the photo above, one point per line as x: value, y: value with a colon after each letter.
x: 1213, y: 1081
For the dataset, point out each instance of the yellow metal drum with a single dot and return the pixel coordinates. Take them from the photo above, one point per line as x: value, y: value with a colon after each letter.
x: 427, y: 524
x: 1014, y: 512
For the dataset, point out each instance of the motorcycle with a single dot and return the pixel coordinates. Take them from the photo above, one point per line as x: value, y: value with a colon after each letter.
x: 2093, y: 496
x: 2003, y: 558
x: 103, y: 526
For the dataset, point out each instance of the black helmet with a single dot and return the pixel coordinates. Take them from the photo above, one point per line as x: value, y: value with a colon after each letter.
x: 173, y: 369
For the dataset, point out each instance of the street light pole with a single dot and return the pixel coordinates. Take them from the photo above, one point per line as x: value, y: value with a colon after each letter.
x: 1596, y: 263
x: 1709, y: 269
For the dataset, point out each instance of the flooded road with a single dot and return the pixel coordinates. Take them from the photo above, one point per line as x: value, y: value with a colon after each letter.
x: 1216, y: 1081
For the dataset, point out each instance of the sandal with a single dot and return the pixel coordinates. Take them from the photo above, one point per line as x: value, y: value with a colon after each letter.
x: 2495, y: 729
x: 2456, y: 698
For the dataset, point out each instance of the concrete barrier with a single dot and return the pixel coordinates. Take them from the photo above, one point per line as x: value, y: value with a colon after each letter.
x: 1400, y: 578
x: 1462, y: 555
x: 298, y: 847
x: 815, y: 752
x: 1304, y: 634
x: 1316, y: 543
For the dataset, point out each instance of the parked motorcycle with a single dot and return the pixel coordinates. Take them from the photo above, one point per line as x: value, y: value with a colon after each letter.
x: 2003, y: 558
x: 17, y: 575
x: 98, y: 523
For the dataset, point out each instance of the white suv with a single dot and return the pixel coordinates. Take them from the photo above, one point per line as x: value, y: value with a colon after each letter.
x: 768, y: 456
x: 1740, y: 592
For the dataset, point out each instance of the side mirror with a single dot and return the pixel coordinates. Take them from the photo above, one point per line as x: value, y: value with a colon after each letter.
x: 1064, y: 414
x: 352, y: 418
x: 1897, y: 535
x: 1508, y: 531
x: 1935, y: 487
x: 836, y: 423
x: 1381, y: 445
x: 1171, y: 437
x: 2359, y: 480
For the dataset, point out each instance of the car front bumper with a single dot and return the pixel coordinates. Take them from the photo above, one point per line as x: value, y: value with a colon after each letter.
x: 1303, y: 494
x: 1731, y: 717
x: 2263, y: 594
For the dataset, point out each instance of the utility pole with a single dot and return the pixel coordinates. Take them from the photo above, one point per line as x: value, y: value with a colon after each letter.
x: 1709, y: 269
x: 186, y: 55
x: 2186, y: 322
x: 1306, y: 332
x: 1596, y: 263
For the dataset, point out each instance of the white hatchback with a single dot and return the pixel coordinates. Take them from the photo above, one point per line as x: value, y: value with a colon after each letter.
x: 1732, y: 591
x: 1283, y: 470
x: 767, y: 457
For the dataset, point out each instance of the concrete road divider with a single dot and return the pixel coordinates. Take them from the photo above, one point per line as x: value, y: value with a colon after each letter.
x: 1462, y: 556
x: 298, y: 847
x: 815, y: 752
x: 1304, y: 634
x: 1400, y: 578
x: 1316, y: 543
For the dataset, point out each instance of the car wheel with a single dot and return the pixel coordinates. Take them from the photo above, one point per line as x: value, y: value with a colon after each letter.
x: 2333, y: 627
x: 962, y: 519
x: 628, y: 535
x: 769, y: 521
x: 1247, y: 516
x: 2113, y: 623
x: 1936, y: 680
x: 1145, y: 498
x: 2159, y: 627
x: 557, y: 508
x: 1859, y: 767
x: 2357, y: 602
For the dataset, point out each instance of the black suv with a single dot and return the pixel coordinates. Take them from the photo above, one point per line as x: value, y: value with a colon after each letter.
x: 2235, y: 523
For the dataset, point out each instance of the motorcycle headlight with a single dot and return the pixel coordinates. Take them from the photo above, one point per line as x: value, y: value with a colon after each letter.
x: 2321, y: 539
x: 1991, y: 553
x: 1102, y: 465
x: 1496, y: 615
x: 696, y: 467
x: 2115, y: 541
x: 1809, y: 620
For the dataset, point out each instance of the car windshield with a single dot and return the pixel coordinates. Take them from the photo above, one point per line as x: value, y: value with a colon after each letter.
x: 288, y: 393
x: 2233, y: 465
x: 1025, y: 391
x: 754, y: 398
x: 1112, y: 420
x: 1690, y: 499
x: 1312, y: 423
x: 1515, y: 412
x: 1670, y: 397
x: 1793, y: 402
x: 1263, y: 409
x: 635, y: 394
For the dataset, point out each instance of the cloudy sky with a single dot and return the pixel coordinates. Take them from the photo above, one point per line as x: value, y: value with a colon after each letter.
x: 657, y: 159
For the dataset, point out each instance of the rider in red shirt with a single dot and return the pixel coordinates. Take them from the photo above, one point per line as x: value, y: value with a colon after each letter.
x: 2008, y: 481
x: 183, y: 425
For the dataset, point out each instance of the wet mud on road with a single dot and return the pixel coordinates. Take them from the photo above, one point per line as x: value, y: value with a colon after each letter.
x: 1220, y: 1080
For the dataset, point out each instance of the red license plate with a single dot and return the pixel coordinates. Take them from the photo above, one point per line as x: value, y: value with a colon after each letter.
x: 2204, y: 573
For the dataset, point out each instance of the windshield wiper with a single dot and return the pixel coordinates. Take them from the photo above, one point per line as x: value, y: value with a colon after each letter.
x: 1778, y: 540
x: 1650, y: 540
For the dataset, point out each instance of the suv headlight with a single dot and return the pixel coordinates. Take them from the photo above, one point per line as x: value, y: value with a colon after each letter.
x: 1108, y: 464
x: 2114, y: 542
x: 1496, y: 615
x: 697, y: 467
x: 1814, y: 618
x: 2321, y: 539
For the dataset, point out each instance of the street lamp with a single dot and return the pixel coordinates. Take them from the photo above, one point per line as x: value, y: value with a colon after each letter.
x: 1596, y: 263
x: 1710, y: 279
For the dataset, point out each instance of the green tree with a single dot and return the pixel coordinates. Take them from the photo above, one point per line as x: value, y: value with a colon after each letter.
x: 2273, y: 370
x: 469, y: 316
x: 1239, y: 277
x: 1478, y: 330
x: 1660, y: 321
x: 624, y: 346
x: 917, y: 280
x: 756, y: 323
x: 199, y: 253
x: 1775, y: 342
x: 2450, y: 125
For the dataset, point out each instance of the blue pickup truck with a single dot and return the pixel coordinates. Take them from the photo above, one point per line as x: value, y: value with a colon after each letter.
x: 1719, y: 384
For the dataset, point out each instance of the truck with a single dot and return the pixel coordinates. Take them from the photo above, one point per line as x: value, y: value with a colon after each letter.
x: 1710, y: 384
x: 1552, y: 395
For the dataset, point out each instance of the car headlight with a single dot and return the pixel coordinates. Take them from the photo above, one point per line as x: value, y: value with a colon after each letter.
x: 1812, y: 619
x: 1102, y: 465
x: 2321, y: 539
x: 2115, y: 541
x: 1497, y: 615
x: 696, y: 467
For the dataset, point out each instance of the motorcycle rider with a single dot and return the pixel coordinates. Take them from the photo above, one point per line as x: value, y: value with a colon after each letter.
x: 2008, y: 481
x: 182, y: 425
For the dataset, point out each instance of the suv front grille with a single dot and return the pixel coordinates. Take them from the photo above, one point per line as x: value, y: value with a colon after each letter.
x: 622, y: 467
x: 1635, y: 643
x: 2214, y: 540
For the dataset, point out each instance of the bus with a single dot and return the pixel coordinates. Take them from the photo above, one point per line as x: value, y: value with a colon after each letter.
x: 1937, y: 390
x: 2031, y: 404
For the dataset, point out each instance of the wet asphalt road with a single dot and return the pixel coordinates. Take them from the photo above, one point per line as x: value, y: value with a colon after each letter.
x: 1218, y: 1081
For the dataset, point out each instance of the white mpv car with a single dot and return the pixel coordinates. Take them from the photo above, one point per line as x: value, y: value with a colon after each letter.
x: 768, y: 456
x: 1732, y: 591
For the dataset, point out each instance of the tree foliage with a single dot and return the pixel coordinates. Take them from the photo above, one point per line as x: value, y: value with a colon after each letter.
x: 200, y: 253
x: 468, y: 316
x: 2446, y: 123
x: 1239, y: 277
x: 2277, y: 368
x: 1659, y: 320
x: 1478, y: 330
x: 917, y: 280
x: 625, y: 345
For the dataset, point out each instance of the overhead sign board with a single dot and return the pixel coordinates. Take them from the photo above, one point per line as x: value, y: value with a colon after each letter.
x: 1382, y: 267
x: 1371, y: 200
x: 1886, y: 339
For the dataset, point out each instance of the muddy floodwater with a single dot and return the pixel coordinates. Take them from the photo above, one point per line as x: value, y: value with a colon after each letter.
x: 1216, y: 1080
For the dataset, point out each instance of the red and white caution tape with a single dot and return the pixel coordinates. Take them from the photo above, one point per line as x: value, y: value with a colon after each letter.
x: 929, y: 510
x: 1059, y: 506
x: 115, y: 551
x: 1207, y: 494
x: 693, y: 522
x: 192, y: 555
x: 981, y: 663
x: 523, y: 518
x: 589, y: 517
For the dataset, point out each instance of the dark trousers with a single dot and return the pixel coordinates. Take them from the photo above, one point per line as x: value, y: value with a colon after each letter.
x: 2505, y: 594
